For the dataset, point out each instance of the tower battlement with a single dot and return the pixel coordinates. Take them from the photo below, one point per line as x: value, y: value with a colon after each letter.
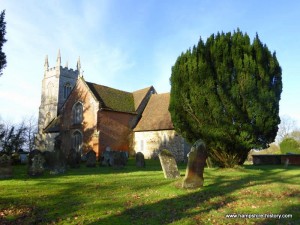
x: 62, y: 68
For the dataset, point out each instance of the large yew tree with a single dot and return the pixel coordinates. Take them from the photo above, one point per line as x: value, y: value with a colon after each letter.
x: 226, y: 91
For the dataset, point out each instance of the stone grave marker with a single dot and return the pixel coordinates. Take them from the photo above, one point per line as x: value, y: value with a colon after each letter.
x: 74, y: 158
x: 91, y: 159
x: 168, y: 164
x: 58, y: 159
x: 140, y: 160
x: 106, y: 158
x: 116, y: 159
x: 119, y: 159
x: 5, y: 167
x: 36, y: 164
x: 195, y: 167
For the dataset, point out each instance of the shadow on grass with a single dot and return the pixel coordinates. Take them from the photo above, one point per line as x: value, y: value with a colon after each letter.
x: 70, y: 196
x: 192, y: 205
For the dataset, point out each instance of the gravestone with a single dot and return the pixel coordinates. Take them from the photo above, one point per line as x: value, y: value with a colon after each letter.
x: 36, y: 164
x: 119, y: 159
x: 74, y: 158
x: 5, y: 167
x: 195, y: 167
x: 140, y: 160
x: 106, y: 158
x: 116, y: 159
x: 91, y: 159
x: 58, y: 158
x: 168, y: 164
x: 49, y: 159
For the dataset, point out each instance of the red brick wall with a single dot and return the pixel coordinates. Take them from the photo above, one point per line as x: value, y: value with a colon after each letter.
x: 88, y: 127
x: 114, y: 130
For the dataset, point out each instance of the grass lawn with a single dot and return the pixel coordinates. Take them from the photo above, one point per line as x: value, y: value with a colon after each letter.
x: 105, y: 195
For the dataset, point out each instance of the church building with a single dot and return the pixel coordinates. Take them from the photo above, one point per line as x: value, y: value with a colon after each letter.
x: 88, y: 116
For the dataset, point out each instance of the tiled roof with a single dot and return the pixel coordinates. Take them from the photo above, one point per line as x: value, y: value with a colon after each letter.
x: 113, y: 99
x: 53, y: 126
x: 156, y: 115
x: 109, y: 99
x: 139, y: 95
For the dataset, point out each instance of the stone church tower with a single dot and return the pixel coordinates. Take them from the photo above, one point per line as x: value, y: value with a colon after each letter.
x: 57, y: 84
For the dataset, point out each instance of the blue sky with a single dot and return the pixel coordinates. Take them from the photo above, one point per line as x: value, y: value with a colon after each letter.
x: 130, y: 44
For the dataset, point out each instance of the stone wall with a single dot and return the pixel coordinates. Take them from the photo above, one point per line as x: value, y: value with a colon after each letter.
x: 150, y: 143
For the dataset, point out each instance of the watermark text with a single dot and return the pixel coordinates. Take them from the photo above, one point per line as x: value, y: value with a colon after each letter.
x: 259, y: 216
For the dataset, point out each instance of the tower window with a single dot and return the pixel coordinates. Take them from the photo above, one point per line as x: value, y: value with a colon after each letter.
x: 67, y: 89
x: 77, y: 113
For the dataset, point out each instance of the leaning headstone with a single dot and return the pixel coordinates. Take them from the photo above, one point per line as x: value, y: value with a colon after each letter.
x: 91, y: 159
x: 195, y: 167
x: 36, y: 165
x: 140, y: 160
x: 5, y: 167
x: 74, y: 158
x: 168, y: 164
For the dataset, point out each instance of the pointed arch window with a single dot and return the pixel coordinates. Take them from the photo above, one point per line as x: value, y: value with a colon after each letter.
x: 67, y: 89
x: 77, y: 141
x: 77, y: 113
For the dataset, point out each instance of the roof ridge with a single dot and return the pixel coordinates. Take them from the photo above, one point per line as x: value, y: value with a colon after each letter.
x: 108, y: 87
x: 143, y: 89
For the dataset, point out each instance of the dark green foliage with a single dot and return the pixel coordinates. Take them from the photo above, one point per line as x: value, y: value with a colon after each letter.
x: 2, y: 41
x: 13, y: 138
x: 289, y: 145
x: 226, y: 91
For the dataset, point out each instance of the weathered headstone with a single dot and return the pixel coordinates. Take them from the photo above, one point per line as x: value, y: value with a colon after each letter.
x: 91, y: 159
x: 36, y: 165
x: 140, y: 160
x: 119, y: 159
x: 58, y: 157
x: 74, y: 158
x: 49, y: 159
x: 5, y: 167
x: 116, y: 159
x: 195, y: 167
x: 106, y: 158
x: 168, y: 164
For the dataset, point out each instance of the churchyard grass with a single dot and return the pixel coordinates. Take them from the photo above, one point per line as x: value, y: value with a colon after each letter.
x: 103, y: 195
